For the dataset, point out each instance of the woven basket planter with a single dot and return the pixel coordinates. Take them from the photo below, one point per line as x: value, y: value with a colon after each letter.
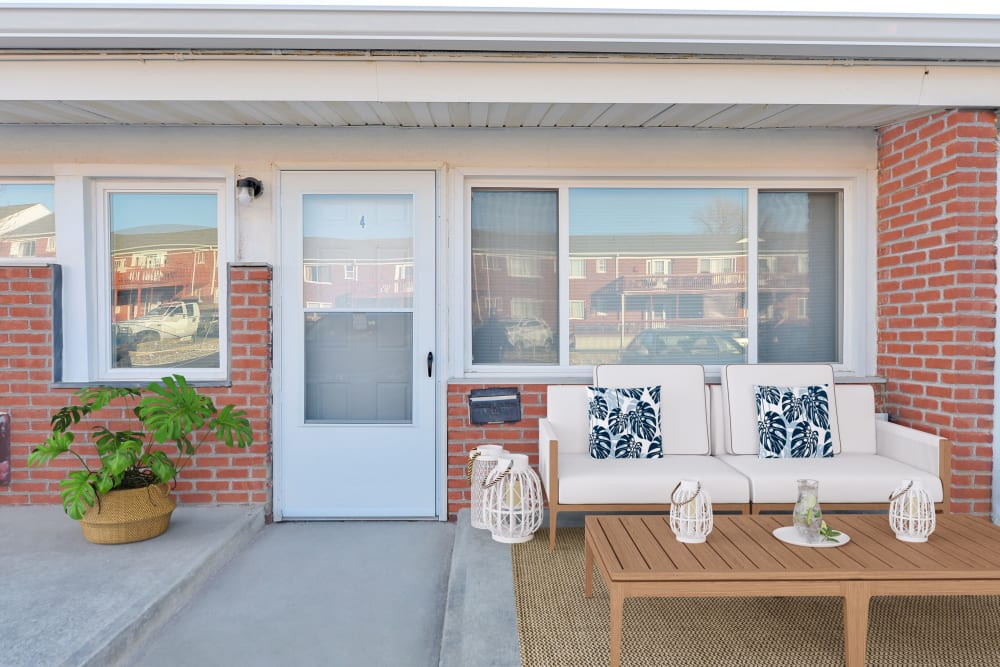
x: 129, y: 515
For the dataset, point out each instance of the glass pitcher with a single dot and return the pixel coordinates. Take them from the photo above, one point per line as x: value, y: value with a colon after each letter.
x: 807, y: 516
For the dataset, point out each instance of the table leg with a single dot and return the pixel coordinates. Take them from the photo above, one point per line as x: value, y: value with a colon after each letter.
x: 588, y: 570
x: 857, y: 595
x: 617, y: 618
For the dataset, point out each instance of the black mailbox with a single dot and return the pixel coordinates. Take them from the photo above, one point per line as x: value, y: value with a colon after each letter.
x: 494, y: 405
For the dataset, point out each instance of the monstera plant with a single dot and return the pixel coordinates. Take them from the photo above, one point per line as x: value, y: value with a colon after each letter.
x: 169, y: 412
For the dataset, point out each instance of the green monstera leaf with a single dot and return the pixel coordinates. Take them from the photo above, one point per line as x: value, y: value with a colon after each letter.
x: 78, y: 492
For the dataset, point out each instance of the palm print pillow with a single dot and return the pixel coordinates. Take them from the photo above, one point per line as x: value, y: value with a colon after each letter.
x: 625, y: 423
x: 793, y: 422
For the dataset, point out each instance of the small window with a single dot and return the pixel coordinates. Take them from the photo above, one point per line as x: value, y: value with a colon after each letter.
x: 602, y: 265
x: 318, y: 273
x: 351, y: 271
x: 577, y: 268
x: 577, y: 310
x: 162, y: 277
x: 657, y: 267
x: 524, y: 267
x: 27, y: 220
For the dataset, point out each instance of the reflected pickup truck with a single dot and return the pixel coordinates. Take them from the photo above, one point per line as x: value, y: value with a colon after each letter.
x: 171, y: 320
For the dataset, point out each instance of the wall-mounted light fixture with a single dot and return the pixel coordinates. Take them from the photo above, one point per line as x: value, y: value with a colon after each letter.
x: 248, y: 189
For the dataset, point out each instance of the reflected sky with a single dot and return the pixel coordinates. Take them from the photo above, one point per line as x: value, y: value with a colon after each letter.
x: 27, y: 193
x: 132, y: 210
x: 598, y: 211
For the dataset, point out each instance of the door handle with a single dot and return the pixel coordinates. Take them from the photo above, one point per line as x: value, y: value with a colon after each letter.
x: 430, y: 363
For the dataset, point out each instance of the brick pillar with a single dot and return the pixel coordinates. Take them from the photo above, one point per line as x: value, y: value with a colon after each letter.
x: 218, y: 475
x: 937, y: 196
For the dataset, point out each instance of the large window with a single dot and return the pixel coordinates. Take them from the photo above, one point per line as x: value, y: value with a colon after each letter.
x: 708, y: 275
x: 27, y: 220
x: 162, y: 286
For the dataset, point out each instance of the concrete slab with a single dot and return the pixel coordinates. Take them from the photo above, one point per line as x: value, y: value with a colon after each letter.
x: 480, y: 627
x: 66, y: 601
x: 319, y: 593
x: 220, y: 588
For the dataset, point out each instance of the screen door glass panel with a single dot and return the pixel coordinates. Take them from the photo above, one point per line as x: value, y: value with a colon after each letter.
x: 358, y: 296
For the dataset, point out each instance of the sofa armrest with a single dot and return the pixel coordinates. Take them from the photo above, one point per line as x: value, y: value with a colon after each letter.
x: 925, y: 451
x: 908, y: 445
x: 546, y: 436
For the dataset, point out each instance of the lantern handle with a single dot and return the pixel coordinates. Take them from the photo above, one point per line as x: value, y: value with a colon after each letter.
x: 468, y: 472
x: 510, y: 465
x: 693, y: 496
x: 897, y: 493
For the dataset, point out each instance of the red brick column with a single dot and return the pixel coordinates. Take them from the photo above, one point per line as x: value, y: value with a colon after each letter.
x: 216, y: 476
x: 937, y: 286
x: 518, y: 437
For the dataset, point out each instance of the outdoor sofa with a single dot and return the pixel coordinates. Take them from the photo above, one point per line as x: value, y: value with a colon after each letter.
x: 710, y: 434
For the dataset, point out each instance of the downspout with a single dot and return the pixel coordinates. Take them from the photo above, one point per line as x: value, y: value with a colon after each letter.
x: 995, y: 499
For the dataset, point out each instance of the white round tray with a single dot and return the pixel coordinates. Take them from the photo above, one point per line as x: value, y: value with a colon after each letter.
x: 790, y: 535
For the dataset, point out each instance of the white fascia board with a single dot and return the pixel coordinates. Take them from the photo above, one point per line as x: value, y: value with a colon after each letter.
x: 754, y: 34
x: 39, y: 78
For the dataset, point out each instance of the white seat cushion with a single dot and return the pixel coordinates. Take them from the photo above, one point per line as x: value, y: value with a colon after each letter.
x: 845, y: 478
x: 584, y: 480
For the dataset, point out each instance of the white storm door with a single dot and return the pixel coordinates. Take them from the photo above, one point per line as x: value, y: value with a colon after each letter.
x: 356, y: 389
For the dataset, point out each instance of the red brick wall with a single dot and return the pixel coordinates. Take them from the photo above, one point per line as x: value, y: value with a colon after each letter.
x: 936, y: 286
x: 217, y: 475
x: 518, y: 437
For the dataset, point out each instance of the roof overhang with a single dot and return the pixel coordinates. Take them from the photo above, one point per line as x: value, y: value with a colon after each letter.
x: 255, y: 26
x: 186, y: 64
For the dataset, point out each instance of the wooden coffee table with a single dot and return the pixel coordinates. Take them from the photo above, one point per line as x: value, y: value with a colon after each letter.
x: 638, y: 556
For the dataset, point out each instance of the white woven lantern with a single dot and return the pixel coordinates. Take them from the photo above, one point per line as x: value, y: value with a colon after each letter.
x: 690, y: 512
x: 911, y: 512
x: 512, y: 500
x: 482, y: 460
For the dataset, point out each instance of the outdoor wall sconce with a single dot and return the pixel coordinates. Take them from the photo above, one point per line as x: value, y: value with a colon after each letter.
x: 248, y: 189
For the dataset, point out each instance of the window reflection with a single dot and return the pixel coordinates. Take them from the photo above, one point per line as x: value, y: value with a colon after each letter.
x: 664, y: 275
x: 165, y: 279
x: 515, y: 311
x: 27, y: 220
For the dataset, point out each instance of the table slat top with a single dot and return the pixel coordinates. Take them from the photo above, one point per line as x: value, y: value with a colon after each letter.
x: 742, y: 548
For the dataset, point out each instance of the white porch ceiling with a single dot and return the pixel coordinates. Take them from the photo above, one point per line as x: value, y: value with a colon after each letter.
x: 451, y: 114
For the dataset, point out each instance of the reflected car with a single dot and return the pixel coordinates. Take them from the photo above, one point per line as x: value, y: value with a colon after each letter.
x: 675, y: 346
x: 529, y: 332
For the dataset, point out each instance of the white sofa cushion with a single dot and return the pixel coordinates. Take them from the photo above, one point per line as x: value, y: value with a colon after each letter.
x: 583, y: 480
x: 683, y: 400
x: 856, y: 406
x: 740, y: 408
x: 845, y: 478
x: 566, y: 409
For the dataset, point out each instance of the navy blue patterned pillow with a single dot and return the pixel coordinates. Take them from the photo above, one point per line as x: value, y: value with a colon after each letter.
x: 794, y: 422
x: 625, y: 422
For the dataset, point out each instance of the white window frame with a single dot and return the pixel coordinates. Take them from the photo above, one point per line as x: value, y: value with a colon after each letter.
x: 857, y: 252
x: 101, y: 346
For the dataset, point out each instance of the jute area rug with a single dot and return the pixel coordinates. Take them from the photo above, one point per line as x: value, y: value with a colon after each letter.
x: 558, y: 627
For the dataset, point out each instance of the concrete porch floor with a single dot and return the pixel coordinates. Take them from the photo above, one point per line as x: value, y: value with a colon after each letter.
x: 221, y: 588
